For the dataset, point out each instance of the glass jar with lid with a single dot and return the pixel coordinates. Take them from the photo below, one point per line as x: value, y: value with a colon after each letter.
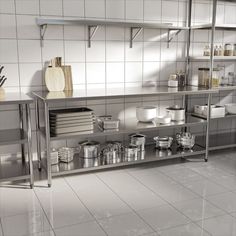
x: 229, y: 51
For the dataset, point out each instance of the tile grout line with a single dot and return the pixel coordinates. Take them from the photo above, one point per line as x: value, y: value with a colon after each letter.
x: 132, y: 210
x: 67, y: 182
x: 44, y: 212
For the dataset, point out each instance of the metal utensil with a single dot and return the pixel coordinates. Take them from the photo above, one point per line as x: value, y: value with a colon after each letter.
x: 2, y: 82
x: 1, y: 68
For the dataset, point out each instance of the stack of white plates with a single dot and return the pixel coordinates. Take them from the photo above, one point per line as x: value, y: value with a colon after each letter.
x: 71, y: 120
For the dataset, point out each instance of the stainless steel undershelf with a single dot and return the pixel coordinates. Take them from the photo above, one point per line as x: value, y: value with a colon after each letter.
x: 119, y: 93
x: 12, y: 136
x: 12, y: 170
x: 219, y: 141
x: 79, y: 165
x: 131, y: 126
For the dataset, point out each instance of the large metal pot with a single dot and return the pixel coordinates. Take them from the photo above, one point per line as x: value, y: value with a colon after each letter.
x: 138, y: 140
x: 90, y: 149
x: 176, y: 113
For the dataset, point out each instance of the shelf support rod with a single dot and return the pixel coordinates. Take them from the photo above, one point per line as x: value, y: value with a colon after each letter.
x: 171, y: 37
x: 43, y: 29
x: 92, y: 29
x: 133, y: 35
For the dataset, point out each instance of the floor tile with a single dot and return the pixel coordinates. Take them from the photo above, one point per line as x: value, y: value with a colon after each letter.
x: 198, y: 209
x: 205, y: 187
x: 125, y: 225
x: 131, y: 191
x: 184, y: 175
x: 26, y: 201
x: 85, y: 229
x: 225, y: 201
x: 97, y: 197
x: 163, y: 217
x: 185, y: 230
x: 63, y: 207
x: 219, y: 226
x: 25, y: 224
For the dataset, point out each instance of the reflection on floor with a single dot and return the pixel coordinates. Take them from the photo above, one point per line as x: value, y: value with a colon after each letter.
x: 170, y: 198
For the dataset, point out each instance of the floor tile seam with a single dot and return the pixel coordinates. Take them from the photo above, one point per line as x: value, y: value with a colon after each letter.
x: 175, y: 183
x: 192, y: 222
x: 213, y: 217
x: 230, y: 190
x: 171, y: 204
x: 45, y: 213
x: 209, y: 201
x: 157, y: 194
x: 95, y: 219
x: 204, y: 230
x: 129, y: 206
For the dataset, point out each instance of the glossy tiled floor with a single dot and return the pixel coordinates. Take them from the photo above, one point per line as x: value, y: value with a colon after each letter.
x: 191, y: 198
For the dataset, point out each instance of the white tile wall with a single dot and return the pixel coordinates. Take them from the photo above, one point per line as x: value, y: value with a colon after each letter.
x: 109, y: 62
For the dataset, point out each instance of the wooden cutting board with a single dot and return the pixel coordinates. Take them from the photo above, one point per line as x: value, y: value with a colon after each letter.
x: 68, y: 78
x: 55, y: 79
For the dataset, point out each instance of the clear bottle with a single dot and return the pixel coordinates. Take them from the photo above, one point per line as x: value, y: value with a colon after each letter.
x: 216, y: 51
x: 231, y: 78
x: 221, y: 51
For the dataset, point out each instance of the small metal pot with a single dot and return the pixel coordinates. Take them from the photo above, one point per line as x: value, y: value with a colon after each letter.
x: 138, y: 140
x: 90, y: 149
x: 131, y: 152
x: 176, y: 113
x: 163, y: 142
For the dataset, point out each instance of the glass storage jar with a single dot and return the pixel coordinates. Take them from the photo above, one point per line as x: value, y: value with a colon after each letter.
x: 204, y: 75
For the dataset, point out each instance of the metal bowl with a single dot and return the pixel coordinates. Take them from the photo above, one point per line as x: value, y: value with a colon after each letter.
x: 163, y: 142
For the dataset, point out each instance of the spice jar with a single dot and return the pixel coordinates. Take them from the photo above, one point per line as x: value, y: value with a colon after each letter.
x: 207, y: 51
x: 173, y: 82
x: 228, y: 50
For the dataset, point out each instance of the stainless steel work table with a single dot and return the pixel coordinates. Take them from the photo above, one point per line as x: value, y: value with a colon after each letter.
x: 12, y: 170
x: 127, y: 126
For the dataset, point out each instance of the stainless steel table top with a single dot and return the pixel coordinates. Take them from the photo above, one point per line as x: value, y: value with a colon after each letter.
x: 119, y: 93
x: 14, y: 98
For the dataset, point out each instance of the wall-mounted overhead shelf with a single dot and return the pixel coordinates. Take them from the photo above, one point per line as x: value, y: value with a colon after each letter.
x: 93, y: 24
x: 216, y: 58
x: 217, y: 27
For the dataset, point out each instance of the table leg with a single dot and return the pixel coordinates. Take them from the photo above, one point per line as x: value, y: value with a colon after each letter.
x: 29, y: 137
x: 21, y: 118
x: 47, y: 138
x: 38, y: 137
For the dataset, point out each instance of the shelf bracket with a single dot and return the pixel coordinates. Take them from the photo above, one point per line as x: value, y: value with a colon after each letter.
x: 171, y: 37
x: 134, y: 34
x: 92, y: 29
x: 43, y: 29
